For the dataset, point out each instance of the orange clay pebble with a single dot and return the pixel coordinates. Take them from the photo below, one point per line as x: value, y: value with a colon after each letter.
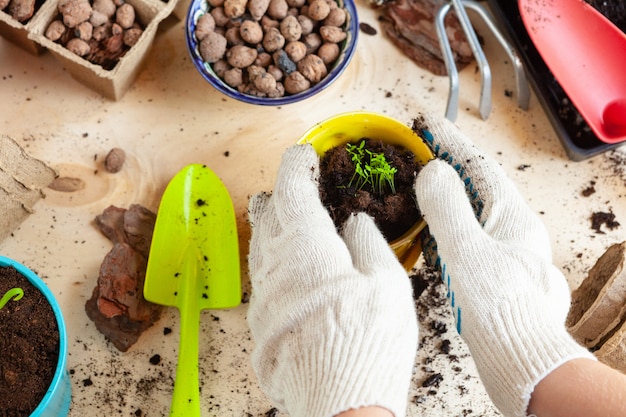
x: 278, y: 9
x: 251, y: 32
x: 21, y: 10
x: 318, y: 10
x: 125, y: 16
x: 257, y: 8
x: 241, y: 56
x: 328, y: 52
x: 290, y: 28
x: 313, y: 68
x: 206, y: 24
x: 213, y: 47
x: 78, y: 46
x: 55, y: 30
x: 74, y: 12
x: 296, y: 83
x: 332, y: 34
x: 234, y: 8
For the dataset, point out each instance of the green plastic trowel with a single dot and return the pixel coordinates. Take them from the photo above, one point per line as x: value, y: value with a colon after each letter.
x: 193, y: 265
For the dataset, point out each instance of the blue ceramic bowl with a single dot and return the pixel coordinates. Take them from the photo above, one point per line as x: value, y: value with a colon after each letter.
x: 56, y: 402
x: 199, y: 7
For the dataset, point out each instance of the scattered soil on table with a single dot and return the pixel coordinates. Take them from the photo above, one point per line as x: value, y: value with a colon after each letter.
x: 29, y: 342
x: 616, y: 160
x: 599, y: 219
x: 440, y: 353
x: 394, y: 213
x: 589, y: 190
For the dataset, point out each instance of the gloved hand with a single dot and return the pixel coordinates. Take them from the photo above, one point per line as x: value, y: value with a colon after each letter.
x: 509, y: 300
x: 332, y: 317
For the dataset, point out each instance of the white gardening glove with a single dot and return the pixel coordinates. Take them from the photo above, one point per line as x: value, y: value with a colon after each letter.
x: 509, y: 300
x: 333, y: 318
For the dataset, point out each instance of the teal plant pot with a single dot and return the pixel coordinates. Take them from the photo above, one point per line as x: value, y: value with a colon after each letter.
x: 56, y: 401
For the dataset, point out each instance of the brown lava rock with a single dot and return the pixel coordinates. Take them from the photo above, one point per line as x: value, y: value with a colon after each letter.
x: 394, y: 213
x: 29, y: 346
x: 117, y: 306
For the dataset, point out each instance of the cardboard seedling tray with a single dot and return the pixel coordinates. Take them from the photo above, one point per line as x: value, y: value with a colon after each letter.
x: 111, y: 83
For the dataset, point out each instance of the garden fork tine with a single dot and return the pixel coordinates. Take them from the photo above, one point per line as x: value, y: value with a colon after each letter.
x: 523, y: 92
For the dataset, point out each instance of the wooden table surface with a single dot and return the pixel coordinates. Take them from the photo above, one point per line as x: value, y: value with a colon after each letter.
x: 171, y: 117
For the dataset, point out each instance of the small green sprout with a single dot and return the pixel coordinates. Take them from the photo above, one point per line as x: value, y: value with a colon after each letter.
x: 371, y: 169
x: 13, y: 293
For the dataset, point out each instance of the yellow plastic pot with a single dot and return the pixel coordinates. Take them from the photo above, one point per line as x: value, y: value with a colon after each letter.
x: 350, y: 127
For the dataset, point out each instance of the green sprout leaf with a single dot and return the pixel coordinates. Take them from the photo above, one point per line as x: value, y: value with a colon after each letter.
x: 371, y: 169
x: 13, y: 293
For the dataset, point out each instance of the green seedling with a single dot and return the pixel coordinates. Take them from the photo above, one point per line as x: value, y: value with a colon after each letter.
x: 13, y: 293
x: 371, y: 169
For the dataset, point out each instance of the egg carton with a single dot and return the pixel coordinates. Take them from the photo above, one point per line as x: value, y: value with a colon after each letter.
x: 111, y: 83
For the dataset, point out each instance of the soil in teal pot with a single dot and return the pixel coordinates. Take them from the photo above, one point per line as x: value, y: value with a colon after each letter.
x: 29, y: 346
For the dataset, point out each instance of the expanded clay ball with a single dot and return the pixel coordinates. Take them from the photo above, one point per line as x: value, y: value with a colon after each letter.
x: 313, y: 68
x: 205, y: 24
x: 78, y: 46
x: 84, y: 31
x: 55, y: 30
x: 273, y: 40
x: 20, y: 10
x: 290, y: 28
x: 292, y: 44
x: 258, y: 8
x: 278, y: 9
x: 332, y: 34
x: 132, y: 35
x: 213, y: 47
x: 241, y: 56
x: 318, y: 10
x: 233, y: 77
x: 336, y: 17
x: 296, y: 83
x: 296, y: 50
x: 251, y: 31
x: 125, y: 16
x: 234, y: 8
x: 106, y: 7
x: 74, y: 12
x: 328, y: 52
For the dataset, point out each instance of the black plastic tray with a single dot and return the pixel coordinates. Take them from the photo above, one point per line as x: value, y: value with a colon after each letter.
x: 575, y: 135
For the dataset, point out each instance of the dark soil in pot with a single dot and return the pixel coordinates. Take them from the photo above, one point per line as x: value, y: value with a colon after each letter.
x: 29, y: 346
x: 394, y: 213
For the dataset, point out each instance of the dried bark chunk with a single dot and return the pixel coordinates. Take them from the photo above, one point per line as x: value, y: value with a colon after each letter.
x: 409, y: 25
x: 117, y: 306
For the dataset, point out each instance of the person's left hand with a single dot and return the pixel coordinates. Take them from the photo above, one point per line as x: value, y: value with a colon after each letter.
x: 332, y: 317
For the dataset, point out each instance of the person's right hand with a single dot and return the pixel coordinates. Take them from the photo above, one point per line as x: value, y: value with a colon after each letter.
x: 509, y: 300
